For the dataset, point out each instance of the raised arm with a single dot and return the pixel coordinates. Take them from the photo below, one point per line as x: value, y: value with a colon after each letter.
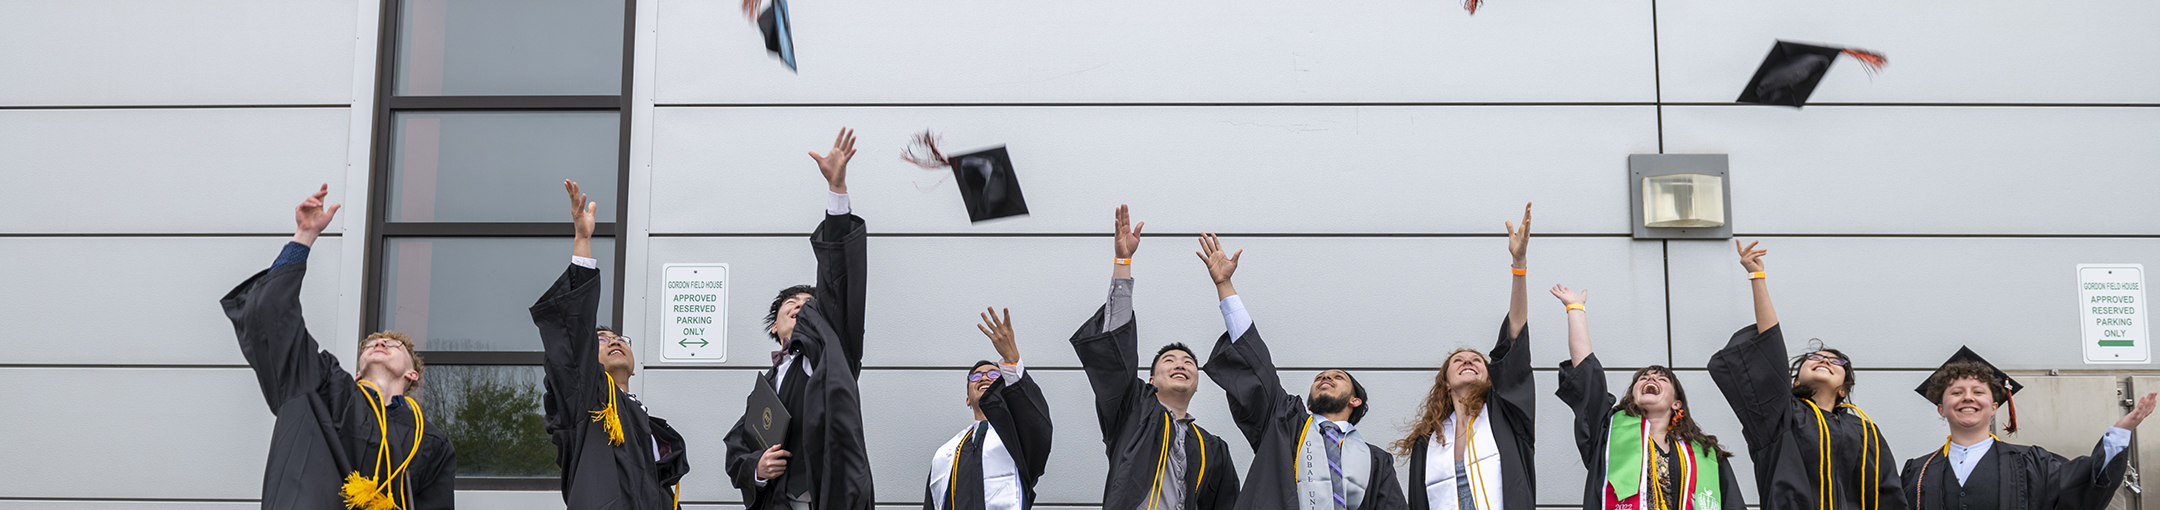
x: 566, y: 316
x: 1242, y: 365
x: 840, y: 245
x: 1518, y: 312
x: 1016, y: 397
x: 265, y: 312
x: 1578, y: 322
x: 1108, y: 343
x: 1751, y: 259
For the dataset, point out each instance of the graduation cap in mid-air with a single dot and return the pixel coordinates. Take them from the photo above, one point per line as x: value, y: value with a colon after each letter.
x: 1965, y: 355
x: 988, y: 185
x: 778, y: 39
x: 1792, y: 69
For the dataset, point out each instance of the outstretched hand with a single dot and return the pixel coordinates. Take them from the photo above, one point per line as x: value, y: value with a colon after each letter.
x: 1128, y: 234
x: 1220, y: 265
x: 1570, y: 298
x: 1518, y: 239
x: 1751, y: 258
x: 311, y: 216
x: 834, y: 163
x: 1000, y: 332
x: 581, y: 210
x: 2137, y: 415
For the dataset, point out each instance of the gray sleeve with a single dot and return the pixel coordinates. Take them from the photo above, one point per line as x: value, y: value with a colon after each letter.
x: 1118, y: 310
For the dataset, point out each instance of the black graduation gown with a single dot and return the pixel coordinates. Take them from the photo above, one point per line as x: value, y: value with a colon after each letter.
x: 1513, y: 404
x: 596, y: 474
x: 1582, y: 387
x: 2029, y: 478
x: 1756, y: 378
x: 825, y: 436
x: 1273, y: 420
x: 1021, y: 417
x: 1132, y: 421
x: 325, y: 426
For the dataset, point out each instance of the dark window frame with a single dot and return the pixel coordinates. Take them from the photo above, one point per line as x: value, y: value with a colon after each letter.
x: 380, y: 230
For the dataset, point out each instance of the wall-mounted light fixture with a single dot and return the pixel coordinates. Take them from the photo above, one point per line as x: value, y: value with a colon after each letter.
x: 1679, y: 196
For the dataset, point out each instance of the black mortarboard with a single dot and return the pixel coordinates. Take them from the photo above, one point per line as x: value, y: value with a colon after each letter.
x: 1966, y: 355
x: 987, y: 184
x: 1789, y: 74
x: 778, y: 39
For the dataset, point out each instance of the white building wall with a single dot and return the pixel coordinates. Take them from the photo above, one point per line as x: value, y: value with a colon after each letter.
x: 1362, y: 154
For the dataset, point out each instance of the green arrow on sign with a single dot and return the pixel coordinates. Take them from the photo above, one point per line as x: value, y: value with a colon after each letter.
x: 700, y: 343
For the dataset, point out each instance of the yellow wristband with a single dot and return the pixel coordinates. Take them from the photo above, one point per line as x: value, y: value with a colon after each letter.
x: 1519, y: 271
x: 1758, y: 275
x: 1578, y: 306
x: 1123, y: 262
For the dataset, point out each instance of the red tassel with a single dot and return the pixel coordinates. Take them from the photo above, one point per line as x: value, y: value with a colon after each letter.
x: 923, y: 151
x: 2012, y: 401
x: 1472, y: 5
x: 1874, y: 61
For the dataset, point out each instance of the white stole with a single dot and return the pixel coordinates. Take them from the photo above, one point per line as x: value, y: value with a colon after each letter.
x: 1001, y: 478
x: 1482, y: 463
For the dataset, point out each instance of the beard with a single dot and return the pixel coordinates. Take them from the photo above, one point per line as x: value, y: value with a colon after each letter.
x: 1474, y: 393
x: 1326, y: 404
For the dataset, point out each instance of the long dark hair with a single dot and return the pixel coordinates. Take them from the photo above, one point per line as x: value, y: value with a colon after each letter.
x: 1683, y: 425
x: 1808, y: 392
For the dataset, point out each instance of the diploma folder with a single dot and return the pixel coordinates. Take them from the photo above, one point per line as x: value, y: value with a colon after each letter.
x: 766, y: 416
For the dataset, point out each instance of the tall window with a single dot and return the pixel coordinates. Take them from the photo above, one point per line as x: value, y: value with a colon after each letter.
x: 483, y: 107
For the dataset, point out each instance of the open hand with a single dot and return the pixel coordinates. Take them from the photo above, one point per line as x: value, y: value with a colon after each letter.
x: 1220, y: 265
x: 1000, y: 332
x: 1518, y: 239
x: 1751, y: 258
x: 1128, y: 234
x: 1570, y: 298
x: 834, y: 163
x: 581, y: 210
x: 2137, y: 414
x: 311, y: 216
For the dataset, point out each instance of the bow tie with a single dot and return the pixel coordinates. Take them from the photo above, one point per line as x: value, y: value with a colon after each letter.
x: 780, y: 354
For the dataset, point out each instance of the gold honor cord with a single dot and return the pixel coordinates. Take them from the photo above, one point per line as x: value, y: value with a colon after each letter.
x: 1203, y: 457
x: 612, y: 420
x: 1869, y: 435
x: 376, y: 492
x: 1823, y: 489
x: 952, y: 482
x: 1160, y: 460
x: 1477, y: 477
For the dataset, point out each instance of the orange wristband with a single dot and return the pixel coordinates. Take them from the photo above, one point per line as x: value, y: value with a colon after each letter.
x: 1578, y: 306
x: 1758, y: 275
x: 1123, y: 262
x: 1519, y: 271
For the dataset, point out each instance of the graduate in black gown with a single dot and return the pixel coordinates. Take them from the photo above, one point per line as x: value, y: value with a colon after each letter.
x: 822, y: 463
x: 1004, y: 450
x: 339, y: 439
x: 1975, y: 471
x: 1159, y: 459
x: 1644, y: 452
x: 1308, y: 454
x: 1491, y: 442
x: 612, y: 453
x: 1785, y: 404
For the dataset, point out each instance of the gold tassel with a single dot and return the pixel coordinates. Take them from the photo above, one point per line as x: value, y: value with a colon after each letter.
x: 361, y: 492
x: 608, y: 415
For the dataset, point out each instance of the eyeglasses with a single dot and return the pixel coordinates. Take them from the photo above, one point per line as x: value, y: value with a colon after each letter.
x: 386, y: 343
x: 990, y: 375
x: 1827, y: 359
x: 625, y: 340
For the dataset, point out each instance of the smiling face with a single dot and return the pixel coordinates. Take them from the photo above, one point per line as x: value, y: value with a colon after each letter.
x: 1175, y: 371
x: 388, y: 355
x: 783, y: 325
x: 979, y: 381
x: 1465, y: 367
x: 1654, y: 391
x: 1968, y: 404
x: 1824, y: 370
x: 1332, y: 392
x: 615, y: 354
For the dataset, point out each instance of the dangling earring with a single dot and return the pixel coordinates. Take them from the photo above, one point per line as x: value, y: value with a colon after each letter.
x: 1676, y: 415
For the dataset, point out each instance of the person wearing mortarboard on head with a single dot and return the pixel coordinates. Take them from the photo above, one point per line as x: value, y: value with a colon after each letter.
x: 1308, y: 454
x: 993, y: 463
x: 1644, y: 452
x: 612, y: 453
x: 1473, y: 444
x: 341, y: 440
x: 1159, y: 458
x: 1975, y: 471
x: 1812, y: 449
x: 822, y: 461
